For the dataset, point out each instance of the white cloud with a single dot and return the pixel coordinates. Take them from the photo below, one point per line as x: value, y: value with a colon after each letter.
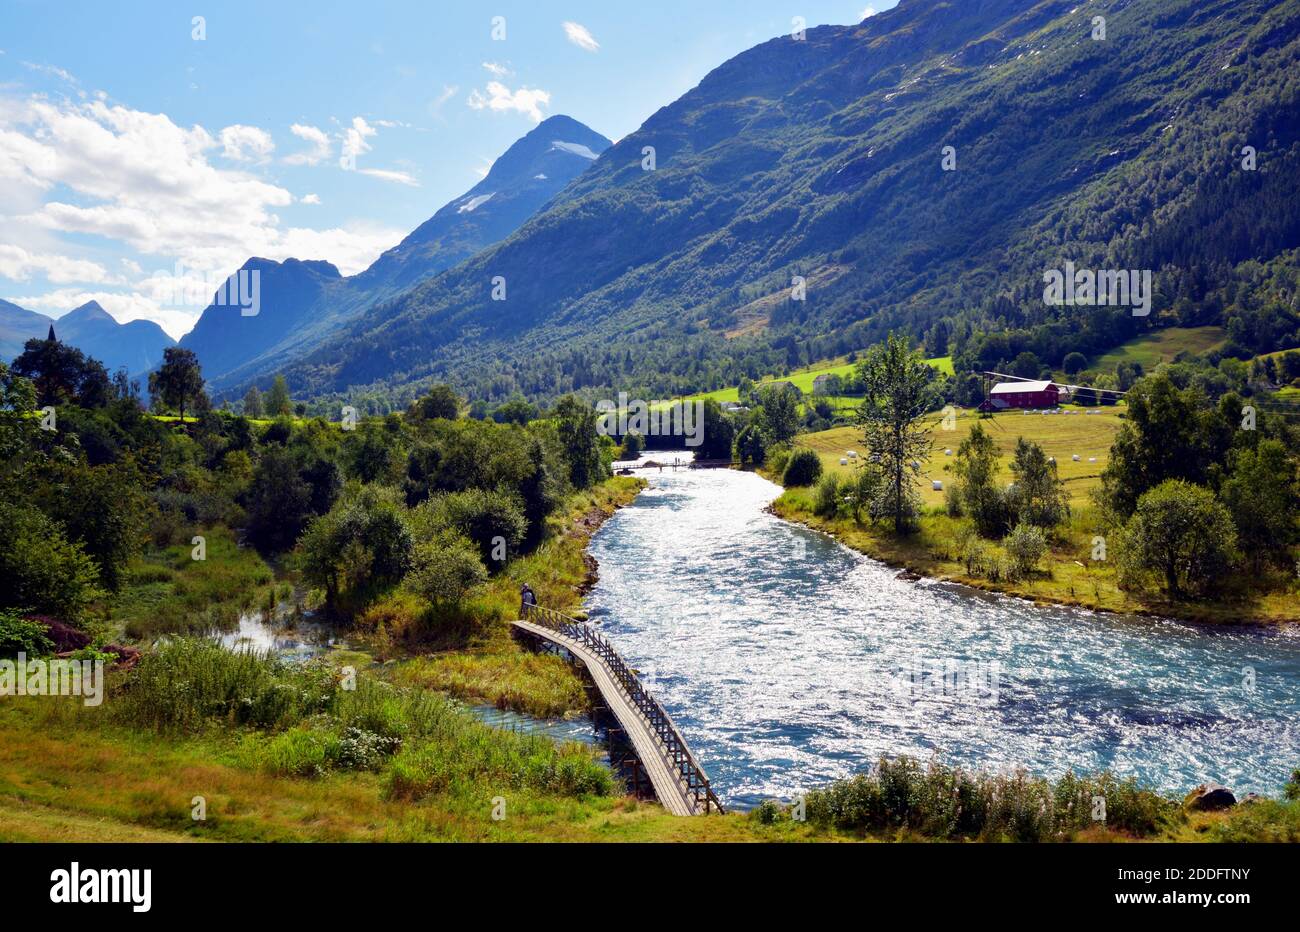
x: 496, y: 69
x: 352, y: 247
x: 147, y: 184
x: 123, y: 307
x: 867, y: 13
x: 320, y: 146
x: 309, y: 199
x: 246, y: 143
x: 354, y: 141
x: 394, y: 176
x: 18, y: 264
x: 580, y: 36
x: 57, y: 72
x: 528, y: 101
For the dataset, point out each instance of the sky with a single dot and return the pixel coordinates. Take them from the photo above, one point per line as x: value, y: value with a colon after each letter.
x: 148, y: 148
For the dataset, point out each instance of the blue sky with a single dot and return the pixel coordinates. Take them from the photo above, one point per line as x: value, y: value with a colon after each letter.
x: 139, y: 164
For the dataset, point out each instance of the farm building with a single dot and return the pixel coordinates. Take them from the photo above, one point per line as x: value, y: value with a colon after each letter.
x: 1022, y: 395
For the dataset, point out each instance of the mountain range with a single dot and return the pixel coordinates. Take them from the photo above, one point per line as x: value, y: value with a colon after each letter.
x: 920, y: 172
x: 302, y: 303
x: 136, y: 346
x: 673, y: 263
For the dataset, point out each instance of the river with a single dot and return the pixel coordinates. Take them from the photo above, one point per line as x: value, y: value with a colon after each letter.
x: 788, y: 660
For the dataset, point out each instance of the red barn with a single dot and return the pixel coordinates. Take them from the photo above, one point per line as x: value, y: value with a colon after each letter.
x: 1024, y: 395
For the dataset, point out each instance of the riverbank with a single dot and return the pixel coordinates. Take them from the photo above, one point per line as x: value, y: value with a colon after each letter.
x: 1068, y: 575
x: 69, y: 774
x: 491, y: 666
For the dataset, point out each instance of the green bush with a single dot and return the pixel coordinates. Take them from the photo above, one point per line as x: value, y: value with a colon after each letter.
x: 768, y: 812
x: 952, y: 497
x: 803, y: 468
x: 298, y: 752
x: 827, y: 500
x: 493, y: 521
x: 22, y: 635
x: 40, y: 569
x: 1026, y: 545
x: 1263, y: 820
x: 777, y: 458
x: 507, y: 760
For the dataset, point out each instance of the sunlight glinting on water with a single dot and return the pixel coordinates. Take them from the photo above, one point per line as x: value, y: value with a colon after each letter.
x: 788, y: 660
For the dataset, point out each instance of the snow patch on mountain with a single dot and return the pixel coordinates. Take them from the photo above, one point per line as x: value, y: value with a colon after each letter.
x: 575, y: 148
x: 473, y: 202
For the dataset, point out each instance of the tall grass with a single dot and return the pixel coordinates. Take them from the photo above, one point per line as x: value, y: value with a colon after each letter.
x: 186, y: 683
x: 169, y: 592
x: 945, y: 802
x: 541, y: 685
x: 308, y: 724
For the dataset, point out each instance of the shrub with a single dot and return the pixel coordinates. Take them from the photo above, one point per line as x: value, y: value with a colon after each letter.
x: 298, y: 752
x: 952, y: 500
x: 476, y: 753
x: 491, y: 520
x: 768, y: 812
x: 1026, y: 545
x: 443, y: 570
x: 863, y: 489
x: 396, y: 614
x: 827, y: 500
x: 23, y: 635
x: 358, y: 749
x: 777, y: 458
x: 40, y: 569
x: 1264, y: 820
x: 803, y: 468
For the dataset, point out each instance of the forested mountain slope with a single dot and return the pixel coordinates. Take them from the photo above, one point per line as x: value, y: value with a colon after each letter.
x: 823, y: 158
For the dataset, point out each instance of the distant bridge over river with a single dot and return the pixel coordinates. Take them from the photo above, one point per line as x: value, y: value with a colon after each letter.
x: 651, y: 465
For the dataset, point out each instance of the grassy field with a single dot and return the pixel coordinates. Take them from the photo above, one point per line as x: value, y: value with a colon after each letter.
x: 1162, y: 346
x: 1061, y: 435
x: 803, y: 380
x: 1068, y: 575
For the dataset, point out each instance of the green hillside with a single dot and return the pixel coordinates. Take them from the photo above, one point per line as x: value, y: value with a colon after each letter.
x: 821, y: 160
x: 1151, y: 350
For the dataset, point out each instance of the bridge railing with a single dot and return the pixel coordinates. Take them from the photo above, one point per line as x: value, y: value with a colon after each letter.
x: 677, y: 751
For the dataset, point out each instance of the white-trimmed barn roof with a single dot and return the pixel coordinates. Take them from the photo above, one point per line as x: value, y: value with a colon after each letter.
x: 1017, y: 388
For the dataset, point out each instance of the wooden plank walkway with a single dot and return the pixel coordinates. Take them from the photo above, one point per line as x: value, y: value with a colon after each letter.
x: 680, y: 784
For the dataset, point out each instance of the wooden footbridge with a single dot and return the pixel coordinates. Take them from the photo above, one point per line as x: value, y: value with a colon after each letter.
x: 679, y: 782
